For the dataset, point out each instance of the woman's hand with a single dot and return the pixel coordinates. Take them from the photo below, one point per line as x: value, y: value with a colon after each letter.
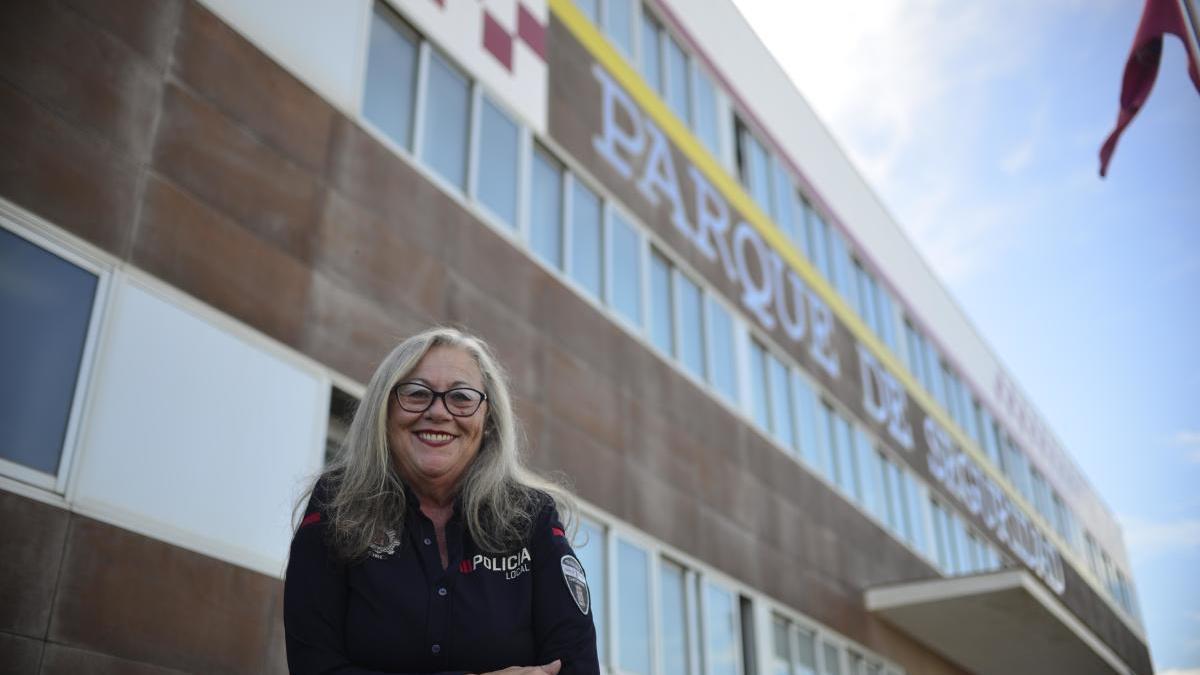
x: 551, y: 668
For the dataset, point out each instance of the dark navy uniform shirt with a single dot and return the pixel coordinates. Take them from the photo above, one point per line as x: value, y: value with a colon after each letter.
x: 398, y: 611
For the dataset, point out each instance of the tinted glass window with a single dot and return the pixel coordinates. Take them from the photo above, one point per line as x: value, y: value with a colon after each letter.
x: 806, y: 422
x: 619, y: 24
x: 651, y: 62
x: 633, y: 609
x: 498, y: 163
x: 781, y: 402
x: 45, y: 307
x: 545, y: 210
x: 720, y: 631
x: 626, y: 269
x: 447, y: 107
x: 674, y: 619
x: 723, y: 374
x: 691, y: 327
x: 591, y: 555
x: 391, y: 76
x: 704, y: 115
x: 677, y: 79
x: 758, y: 386
x: 585, y: 238
x: 662, y: 321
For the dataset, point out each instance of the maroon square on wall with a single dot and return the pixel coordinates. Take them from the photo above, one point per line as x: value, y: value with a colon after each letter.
x: 497, y: 40
x: 531, y: 31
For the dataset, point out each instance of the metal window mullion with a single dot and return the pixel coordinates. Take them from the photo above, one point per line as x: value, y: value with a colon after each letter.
x: 474, y: 140
x: 419, y: 100
x: 99, y: 325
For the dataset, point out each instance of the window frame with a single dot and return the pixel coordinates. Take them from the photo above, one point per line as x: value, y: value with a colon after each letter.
x: 67, y: 248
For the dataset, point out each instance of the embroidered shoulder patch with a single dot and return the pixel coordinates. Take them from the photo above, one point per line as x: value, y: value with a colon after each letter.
x: 576, y: 583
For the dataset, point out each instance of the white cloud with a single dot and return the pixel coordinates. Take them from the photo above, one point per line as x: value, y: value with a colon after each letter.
x: 906, y: 86
x: 1190, y: 441
x: 1147, y: 539
x: 1018, y: 158
x: 1179, y: 671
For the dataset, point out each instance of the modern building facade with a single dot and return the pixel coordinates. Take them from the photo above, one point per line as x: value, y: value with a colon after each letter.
x: 794, y: 452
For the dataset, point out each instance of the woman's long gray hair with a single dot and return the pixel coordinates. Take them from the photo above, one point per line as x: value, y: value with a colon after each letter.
x: 362, y: 494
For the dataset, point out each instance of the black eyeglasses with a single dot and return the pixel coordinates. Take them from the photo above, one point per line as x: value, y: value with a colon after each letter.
x: 459, y: 401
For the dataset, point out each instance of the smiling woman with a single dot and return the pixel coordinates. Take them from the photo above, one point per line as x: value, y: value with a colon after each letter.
x: 432, y: 455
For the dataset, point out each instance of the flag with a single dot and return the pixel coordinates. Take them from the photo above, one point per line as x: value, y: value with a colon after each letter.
x: 1158, y: 18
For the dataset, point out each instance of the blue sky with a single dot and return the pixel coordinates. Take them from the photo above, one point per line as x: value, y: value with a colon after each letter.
x: 979, y: 125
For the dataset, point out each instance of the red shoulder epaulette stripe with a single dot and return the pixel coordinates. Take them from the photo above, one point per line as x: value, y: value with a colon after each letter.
x: 558, y: 532
x: 314, y: 517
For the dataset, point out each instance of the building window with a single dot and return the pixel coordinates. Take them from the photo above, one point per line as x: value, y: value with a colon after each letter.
x: 781, y: 647
x: 845, y: 464
x: 818, y: 244
x: 780, y: 399
x: 498, y: 150
x: 759, y: 406
x: 721, y: 643
x: 651, y: 60
x: 843, y: 277
x: 391, y: 76
x: 674, y: 618
x: 592, y: 555
x: 618, y: 24
x: 722, y: 373
x: 831, y: 661
x: 662, y: 309
x: 46, y: 306
x: 704, y: 110
x: 678, y: 88
x: 447, y: 111
x: 754, y: 166
x: 633, y: 609
x: 783, y: 210
x: 625, y: 269
x: 341, y: 413
x: 545, y: 209
x: 806, y: 420
x: 586, y: 239
x: 590, y: 8
x: 691, y: 326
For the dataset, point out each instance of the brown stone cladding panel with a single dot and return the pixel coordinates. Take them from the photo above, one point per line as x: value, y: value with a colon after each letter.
x: 221, y: 66
x: 198, y: 250
x: 368, y: 173
x: 374, y: 258
x: 349, y: 333
x: 30, y: 557
x: 136, y: 598
x: 519, y: 346
x: 86, y: 76
x: 201, y: 149
x: 148, y: 27
x: 65, y: 175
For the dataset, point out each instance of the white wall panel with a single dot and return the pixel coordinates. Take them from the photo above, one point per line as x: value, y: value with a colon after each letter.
x: 322, y: 42
x: 198, y: 436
